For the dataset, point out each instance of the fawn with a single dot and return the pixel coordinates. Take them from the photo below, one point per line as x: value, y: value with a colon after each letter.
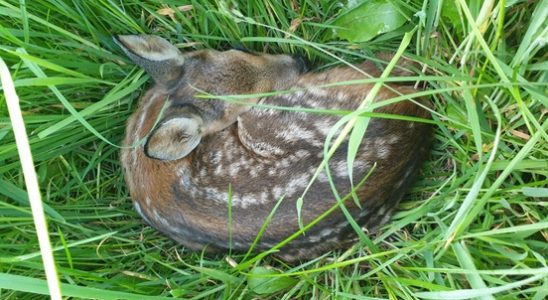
x: 186, y: 156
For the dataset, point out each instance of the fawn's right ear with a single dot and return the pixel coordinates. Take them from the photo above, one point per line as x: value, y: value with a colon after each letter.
x: 174, y: 138
x: 160, y: 59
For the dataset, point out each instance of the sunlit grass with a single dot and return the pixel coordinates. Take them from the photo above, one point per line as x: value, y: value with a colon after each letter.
x: 474, y: 225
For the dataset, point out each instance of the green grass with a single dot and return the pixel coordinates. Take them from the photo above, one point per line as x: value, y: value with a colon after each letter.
x: 474, y: 225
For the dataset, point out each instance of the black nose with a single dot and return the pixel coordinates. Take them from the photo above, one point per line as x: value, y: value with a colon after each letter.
x: 302, y: 63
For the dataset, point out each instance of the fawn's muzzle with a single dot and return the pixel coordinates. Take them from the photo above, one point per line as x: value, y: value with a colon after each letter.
x: 302, y: 62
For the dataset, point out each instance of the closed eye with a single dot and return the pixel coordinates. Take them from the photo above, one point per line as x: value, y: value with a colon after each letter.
x: 181, y: 136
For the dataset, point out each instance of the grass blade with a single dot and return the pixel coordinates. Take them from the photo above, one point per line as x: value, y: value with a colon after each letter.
x: 31, y: 181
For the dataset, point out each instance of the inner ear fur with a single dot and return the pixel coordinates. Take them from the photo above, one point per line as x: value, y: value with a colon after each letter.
x: 174, y: 138
x: 160, y: 59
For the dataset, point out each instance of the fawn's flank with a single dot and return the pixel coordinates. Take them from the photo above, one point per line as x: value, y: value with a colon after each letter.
x: 189, y: 152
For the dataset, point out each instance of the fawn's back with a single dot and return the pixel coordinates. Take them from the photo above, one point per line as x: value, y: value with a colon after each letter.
x: 209, y: 172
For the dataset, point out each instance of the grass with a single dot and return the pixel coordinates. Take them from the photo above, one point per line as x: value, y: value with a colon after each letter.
x: 474, y: 226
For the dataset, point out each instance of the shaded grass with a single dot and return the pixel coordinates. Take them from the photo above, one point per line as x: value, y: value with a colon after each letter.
x: 456, y: 231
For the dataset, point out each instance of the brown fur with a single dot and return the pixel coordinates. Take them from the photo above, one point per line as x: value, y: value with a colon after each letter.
x: 264, y: 154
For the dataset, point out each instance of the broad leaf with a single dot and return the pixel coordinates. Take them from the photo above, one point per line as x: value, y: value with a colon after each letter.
x: 368, y: 20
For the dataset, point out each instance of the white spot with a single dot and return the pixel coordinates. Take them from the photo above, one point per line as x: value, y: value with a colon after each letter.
x: 322, y: 177
x: 385, y: 218
x: 137, y: 207
x: 383, y: 152
x: 218, y: 170
x: 341, y: 169
x: 317, y: 92
x: 408, y: 172
x: 324, y: 127
x: 268, y: 245
x: 295, y: 97
x: 341, y: 225
x: 262, y: 112
x: 272, y: 171
x: 134, y: 158
x: 264, y: 196
x: 253, y: 173
x: 379, y: 142
x: 216, y: 158
x: 327, y: 232
x: 382, y: 210
x: 239, y: 245
x: 222, y: 196
x: 278, y: 192
x: 258, y: 168
x: 227, y: 153
x: 393, y: 139
x: 283, y: 163
x: 341, y: 97
x: 302, y: 153
x: 317, y: 142
x: 160, y: 219
x: 245, y: 200
x: 247, y: 162
x: 147, y: 200
x: 184, y: 178
x: 314, y: 238
x: 297, y: 184
x: 381, y: 148
x: 293, y: 132
x: 399, y: 183
x: 234, y: 169
x: 360, y: 165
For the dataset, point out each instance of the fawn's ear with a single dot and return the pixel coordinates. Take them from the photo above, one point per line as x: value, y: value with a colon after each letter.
x: 160, y: 59
x: 174, y: 138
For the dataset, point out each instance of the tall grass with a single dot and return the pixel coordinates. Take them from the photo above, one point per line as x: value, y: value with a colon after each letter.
x: 474, y: 226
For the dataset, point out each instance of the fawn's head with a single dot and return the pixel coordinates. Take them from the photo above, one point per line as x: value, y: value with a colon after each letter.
x: 183, y: 75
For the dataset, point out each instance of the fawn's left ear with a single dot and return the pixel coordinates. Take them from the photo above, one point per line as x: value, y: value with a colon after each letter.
x: 174, y: 138
x: 160, y: 59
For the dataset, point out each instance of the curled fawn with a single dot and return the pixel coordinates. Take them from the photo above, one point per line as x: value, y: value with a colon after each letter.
x: 188, y: 153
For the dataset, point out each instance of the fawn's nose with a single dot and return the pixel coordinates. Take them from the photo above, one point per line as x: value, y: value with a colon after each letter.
x: 303, y: 65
